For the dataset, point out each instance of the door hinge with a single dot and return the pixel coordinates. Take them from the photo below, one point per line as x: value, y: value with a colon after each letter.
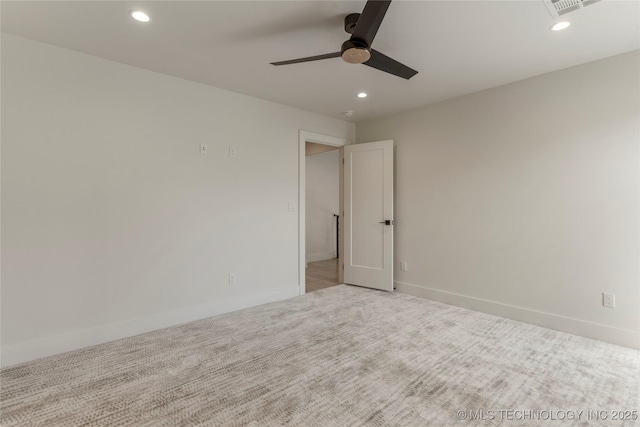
x: 343, y: 160
x: 343, y: 266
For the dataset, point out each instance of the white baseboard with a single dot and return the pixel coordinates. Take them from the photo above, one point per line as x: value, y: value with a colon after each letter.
x: 321, y: 256
x: 624, y: 337
x: 35, y: 349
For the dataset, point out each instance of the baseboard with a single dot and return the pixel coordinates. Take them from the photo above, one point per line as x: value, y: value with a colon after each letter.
x: 35, y: 349
x: 624, y: 337
x: 320, y: 256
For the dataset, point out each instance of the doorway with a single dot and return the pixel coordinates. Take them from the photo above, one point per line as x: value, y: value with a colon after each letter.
x: 322, y: 246
x: 320, y: 207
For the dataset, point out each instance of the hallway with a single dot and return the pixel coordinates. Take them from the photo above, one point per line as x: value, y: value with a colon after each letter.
x: 321, y: 274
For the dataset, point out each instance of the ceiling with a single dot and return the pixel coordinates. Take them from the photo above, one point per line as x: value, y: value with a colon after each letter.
x: 312, y: 148
x: 458, y: 47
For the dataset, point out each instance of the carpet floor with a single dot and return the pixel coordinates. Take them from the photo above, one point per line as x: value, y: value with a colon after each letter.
x: 342, y: 356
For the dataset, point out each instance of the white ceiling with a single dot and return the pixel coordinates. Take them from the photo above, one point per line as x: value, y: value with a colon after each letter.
x: 458, y: 47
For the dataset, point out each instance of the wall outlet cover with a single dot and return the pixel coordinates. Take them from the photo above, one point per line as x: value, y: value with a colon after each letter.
x: 609, y: 300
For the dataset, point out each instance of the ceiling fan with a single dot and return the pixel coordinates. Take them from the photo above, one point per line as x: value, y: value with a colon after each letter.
x: 357, y: 50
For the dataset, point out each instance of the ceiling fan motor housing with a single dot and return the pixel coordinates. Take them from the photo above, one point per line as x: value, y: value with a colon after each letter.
x: 355, y: 52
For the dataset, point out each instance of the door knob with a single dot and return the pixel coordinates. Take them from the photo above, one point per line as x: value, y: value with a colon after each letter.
x: 387, y: 222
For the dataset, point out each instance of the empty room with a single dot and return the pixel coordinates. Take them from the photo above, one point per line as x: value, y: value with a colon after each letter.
x: 320, y: 213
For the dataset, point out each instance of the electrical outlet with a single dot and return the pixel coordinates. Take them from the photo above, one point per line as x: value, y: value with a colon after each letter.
x: 203, y: 148
x: 609, y: 300
x: 403, y: 266
x: 232, y: 278
x: 232, y: 152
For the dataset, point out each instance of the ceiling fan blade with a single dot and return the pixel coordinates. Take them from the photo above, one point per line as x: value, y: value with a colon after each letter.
x: 370, y: 20
x: 388, y: 65
x: 308, y: 59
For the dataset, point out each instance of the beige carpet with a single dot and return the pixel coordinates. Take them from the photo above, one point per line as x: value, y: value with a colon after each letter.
x: 341, y: 356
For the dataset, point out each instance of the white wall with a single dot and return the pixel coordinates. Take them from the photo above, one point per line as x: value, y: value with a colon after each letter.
x: 322, y: 199
x: 523, y: 200
x: 113, y: 223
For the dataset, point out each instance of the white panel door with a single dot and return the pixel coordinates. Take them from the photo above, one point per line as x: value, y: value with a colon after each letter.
x: 368, y: 215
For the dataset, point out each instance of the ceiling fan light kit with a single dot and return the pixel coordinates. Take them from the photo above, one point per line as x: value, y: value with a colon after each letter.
x: 357, y: 50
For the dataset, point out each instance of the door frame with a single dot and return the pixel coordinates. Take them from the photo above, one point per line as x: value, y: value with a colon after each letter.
x: 318, y: 138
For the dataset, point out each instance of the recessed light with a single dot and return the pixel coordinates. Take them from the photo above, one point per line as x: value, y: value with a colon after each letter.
x: 139, y: 15
x: 362, y: 95
x: 559, y: 26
